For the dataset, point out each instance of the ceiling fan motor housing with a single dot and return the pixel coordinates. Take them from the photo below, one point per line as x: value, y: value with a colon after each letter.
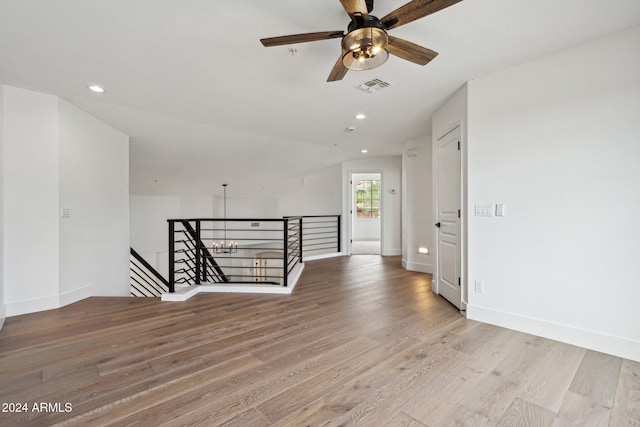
x: 362, y: 21
x: 365, y: 46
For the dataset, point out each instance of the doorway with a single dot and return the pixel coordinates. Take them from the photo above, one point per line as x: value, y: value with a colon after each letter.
x: 366, y: 213
x: 448, y: 275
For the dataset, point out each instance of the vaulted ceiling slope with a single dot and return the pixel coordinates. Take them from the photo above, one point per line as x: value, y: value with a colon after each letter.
x: 204, y: 102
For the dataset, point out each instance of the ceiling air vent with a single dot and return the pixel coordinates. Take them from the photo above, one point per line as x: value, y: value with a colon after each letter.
x: 374, y: 85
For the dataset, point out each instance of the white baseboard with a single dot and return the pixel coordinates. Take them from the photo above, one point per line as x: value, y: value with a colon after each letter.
x: 181, y: 294
x: 610, y: 344
x: 32, y: 305
x: 74, y: 296
x: 186, y: 293
x: 295, y: 276
x: 47, y: 303
x: 322, y: 256
x: 391, y: 252
x: 417, y: 266
x: 3, y: 315
x: 245, y: 289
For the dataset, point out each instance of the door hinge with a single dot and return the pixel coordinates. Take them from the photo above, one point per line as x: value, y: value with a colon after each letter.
x: 459, y: 282
x: 458, y: 213
x: 458, y: 145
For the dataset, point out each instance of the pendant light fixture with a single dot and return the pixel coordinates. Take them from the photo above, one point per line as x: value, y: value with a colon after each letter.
x: 224, y: 246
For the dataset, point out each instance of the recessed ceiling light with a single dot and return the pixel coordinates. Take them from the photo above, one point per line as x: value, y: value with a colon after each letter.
x: 364, y: 151
x: 360, y: 116
x: 96, y: 88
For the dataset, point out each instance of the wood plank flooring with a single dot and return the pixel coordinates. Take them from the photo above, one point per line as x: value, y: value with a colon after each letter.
x: 360, y: 341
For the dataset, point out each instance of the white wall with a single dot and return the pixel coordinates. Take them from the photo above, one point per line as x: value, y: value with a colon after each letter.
x: 3, y: 310
x: 391, y: 169
x: 94, y: 186
x: 320, y: 194
x: 557, y: 141
x: 149, y: 227
x: 245, y: 208
x: 31, y: 201
x: 56, y: 156
x: 417, y: 222
x: 291, y: 205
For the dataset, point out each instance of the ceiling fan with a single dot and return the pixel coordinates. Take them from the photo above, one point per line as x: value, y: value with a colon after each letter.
x: 366, y: 44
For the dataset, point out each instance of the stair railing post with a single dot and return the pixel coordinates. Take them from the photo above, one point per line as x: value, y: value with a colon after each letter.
x: 205, y: 261
x: 300, y: 241
x: 172, y: 255
x: 339, y: 233
x: 198, y: 244
x: 285, y: 252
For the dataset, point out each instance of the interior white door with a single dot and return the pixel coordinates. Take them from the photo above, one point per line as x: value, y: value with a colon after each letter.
x: 448, y: 217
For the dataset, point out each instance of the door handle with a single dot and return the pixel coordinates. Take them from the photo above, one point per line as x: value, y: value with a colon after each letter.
x: 438, y: 224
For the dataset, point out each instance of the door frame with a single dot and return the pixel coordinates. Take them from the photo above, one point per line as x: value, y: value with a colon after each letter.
x: 462, y: 248
x: 351, y: 206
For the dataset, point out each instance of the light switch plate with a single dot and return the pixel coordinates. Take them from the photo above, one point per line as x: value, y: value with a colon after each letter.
x: 479, y: 286
x: 484, y: 210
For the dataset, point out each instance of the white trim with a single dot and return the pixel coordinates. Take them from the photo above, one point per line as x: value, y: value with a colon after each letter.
x: 610, y: 344
x: 47, y: 303
x: 350, y: 208
x: 294, y: 276
x: 322, y: 256
x: 392, y: 252
x: 245, y: 289
x: 3, y: 315
x: 458, y: 127
x: 32, y: 305
x: 186, y: 293
x: 418, y: 266
x: 181, y: 295
x: 75, y: 295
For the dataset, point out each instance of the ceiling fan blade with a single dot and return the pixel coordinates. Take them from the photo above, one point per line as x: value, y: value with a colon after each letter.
x: 410, y: 51
x: 338, y: 72
x: 355, y: 6
x: 301, y: 38
x: 413, y: 10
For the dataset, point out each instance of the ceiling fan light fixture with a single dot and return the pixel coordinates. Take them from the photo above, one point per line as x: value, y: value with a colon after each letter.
x: 365, y: 48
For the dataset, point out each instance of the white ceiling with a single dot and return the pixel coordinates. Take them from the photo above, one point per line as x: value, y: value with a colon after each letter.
x: 205, y: 103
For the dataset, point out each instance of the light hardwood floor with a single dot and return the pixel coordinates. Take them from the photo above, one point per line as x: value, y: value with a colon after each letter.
x: 360, y: 341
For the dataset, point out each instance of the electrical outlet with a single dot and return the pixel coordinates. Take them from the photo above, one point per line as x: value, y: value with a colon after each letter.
x: 479, y: 286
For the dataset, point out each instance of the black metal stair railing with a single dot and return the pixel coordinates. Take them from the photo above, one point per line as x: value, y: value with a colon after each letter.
x: 208, y: 265
x: 265, y: 251
x: 261, y: 251
x: 145, y: 280
x: 191, y: 262
x: 321, y: 235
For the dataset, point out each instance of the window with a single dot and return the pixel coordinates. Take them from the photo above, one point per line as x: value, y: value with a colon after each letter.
x: 368, y: 199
